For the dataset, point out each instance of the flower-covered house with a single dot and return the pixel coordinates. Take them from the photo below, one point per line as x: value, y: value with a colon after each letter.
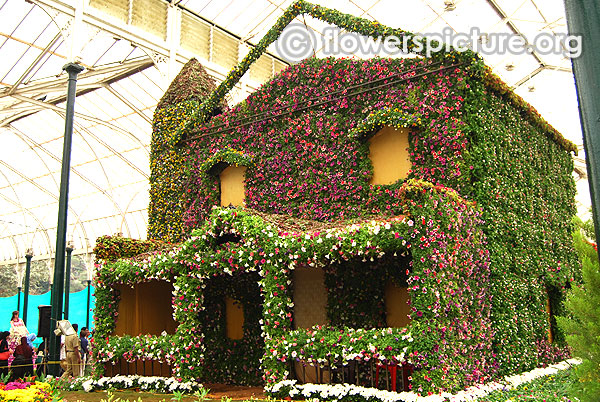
x: 382, y: 222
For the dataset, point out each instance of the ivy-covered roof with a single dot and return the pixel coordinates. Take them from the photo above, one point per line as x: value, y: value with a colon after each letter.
x: 372, y: 29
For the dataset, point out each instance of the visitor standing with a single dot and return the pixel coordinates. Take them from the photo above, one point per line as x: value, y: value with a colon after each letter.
x: 72, y: 348
x: 4, y: 353
x: 83, y: 334
x: 17, y: 330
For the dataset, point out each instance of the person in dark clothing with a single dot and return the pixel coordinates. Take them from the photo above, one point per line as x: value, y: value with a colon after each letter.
x: 4, y: 353
x: 22, y: 365
x: 83, y: 334
x: 41, y: 359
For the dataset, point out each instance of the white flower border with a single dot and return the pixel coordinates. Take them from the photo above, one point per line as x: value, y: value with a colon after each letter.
x: 336, y: 392
x: 144, y: 383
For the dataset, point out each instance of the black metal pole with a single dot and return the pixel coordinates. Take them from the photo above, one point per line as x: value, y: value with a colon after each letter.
x: 68, y: 280
x: 89, y: 297
x: 51, y: 285
x: 18, y: 298
x: 61, y: 230
x: 28, y: 256
x: 583, y: 19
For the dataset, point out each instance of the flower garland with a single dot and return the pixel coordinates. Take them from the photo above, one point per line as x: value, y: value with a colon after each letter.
x: 229, y: 156
x: 385, y: 117
x: 146, y: 347
x: 143, y: 383
x: 331, y: 346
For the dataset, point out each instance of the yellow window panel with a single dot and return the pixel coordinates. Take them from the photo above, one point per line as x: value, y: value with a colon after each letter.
x: 310, y: 297
x: 397, y: 308
x: 232, y: 186
x: 388, y: 150
x: 234, y: 316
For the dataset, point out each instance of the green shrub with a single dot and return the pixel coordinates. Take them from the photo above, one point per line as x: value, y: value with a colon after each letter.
x: 582, y: 327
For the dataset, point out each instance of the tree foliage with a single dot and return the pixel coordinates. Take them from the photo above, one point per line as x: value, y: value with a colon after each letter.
x: 582, y: 327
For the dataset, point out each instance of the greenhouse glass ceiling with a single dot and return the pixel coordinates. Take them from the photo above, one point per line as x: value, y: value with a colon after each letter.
x: 131, y: 49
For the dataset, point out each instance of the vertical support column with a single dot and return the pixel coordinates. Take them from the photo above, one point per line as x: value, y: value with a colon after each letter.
x: 50, y: 266
x: 61, y: 232
x: 28, y: 256
x: 68, y: 279
x: 19, y: 298
x: 583, y: 19
x: 89, y: 298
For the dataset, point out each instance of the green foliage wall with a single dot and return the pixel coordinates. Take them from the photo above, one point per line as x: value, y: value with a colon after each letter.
x: 522, y: 180
x: 168, y: 158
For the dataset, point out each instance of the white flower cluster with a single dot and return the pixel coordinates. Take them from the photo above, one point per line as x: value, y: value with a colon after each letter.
x: 511, y: 381
x: 158, y: 384
x: 336, y: 392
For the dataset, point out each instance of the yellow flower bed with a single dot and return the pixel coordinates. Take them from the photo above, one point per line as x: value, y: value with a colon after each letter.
x: 37, y: 392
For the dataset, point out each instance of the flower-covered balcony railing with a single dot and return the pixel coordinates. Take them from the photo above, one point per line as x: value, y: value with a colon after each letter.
x: 355, y: 356
x: 142, y: 355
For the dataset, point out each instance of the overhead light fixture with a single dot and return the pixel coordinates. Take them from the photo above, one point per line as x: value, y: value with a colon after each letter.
x: 510, y: 67
x: 531, y: 88
x: 449, y: 5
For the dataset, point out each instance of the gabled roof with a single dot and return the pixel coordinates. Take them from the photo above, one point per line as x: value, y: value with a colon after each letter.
x: 370, y: 29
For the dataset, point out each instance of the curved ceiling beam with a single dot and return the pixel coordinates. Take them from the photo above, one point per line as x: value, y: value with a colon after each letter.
x: 74, y: 170
x: 129, y: 205
x: 44, y: 105
x: 109, y: 74
x: 19, y: 202
x: 127, y: 102
x: 35, y: 184
x: 40, y: 227
x: 110, y: 196
x: 14, y: 192
x: 12, y: 240
x: 113, y: 150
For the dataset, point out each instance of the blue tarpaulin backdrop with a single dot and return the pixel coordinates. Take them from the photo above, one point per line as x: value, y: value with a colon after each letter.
x: 77, y: 309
